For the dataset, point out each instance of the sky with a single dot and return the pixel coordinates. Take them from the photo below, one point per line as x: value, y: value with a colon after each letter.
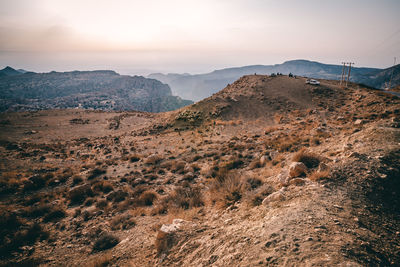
x: 140, y: 37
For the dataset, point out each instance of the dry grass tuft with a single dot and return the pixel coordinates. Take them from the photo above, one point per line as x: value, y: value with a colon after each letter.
x: 105, y: 241
x: 164, y: 242
x: 153, y: 160
x: 319, y: 175
x: 101, y: 261
x: 311, y: 160
x: 183, y: 197
x: 122, y: 222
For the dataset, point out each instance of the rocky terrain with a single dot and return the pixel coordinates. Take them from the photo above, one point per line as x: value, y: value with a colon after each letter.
x: 98, y: 90
x: 200, y: 86
x: 270, y: 171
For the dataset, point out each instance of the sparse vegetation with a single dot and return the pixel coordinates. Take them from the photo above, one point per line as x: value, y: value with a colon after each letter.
x: 122, y: 222
x: 309, y: 159
x: 105, y: 241
x: 163, y: 242
x: 318, y: 175
x: 95, y: 173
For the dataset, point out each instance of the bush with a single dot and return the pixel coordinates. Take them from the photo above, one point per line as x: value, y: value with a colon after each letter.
x: 102, y: 186
x: 164, y: 242
x: 134, y: 158
x: 15, y: 235
x: 77, y: 180
x: 117, y: 196
x: 102, y: 204
x: 105, y: 241
x: 54, y: 215
x: 183, y: 197
x: 311, y: 160
x: 79, y: 194
x: 153, y: 160
x: 35, y: 182
x: 147, y: 198
x: 96, y: 172
x: 122, y: 222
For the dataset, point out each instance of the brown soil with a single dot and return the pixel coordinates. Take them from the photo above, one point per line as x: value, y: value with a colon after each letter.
x: 233, y: 148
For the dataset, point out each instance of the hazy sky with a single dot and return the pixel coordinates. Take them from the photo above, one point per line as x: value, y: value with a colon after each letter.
x: 133, y: 36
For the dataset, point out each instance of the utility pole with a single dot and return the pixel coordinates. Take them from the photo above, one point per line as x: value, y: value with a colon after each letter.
x: 343, y: 70
x: 391, y: 76
x: 348, y: 73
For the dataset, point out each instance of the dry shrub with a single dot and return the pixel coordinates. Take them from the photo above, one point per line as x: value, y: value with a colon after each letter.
x: 100, y: 261
x: 230, y: 122
x: 102, y: 186
x: 183, y: 197
x: 164, y: 242
x: 96, y: 172
x: 122, y: 222
x: 79, y: 194
x: 227, y: 189
x: 77, y: 179
x: 318, y: 175
x: 153, y: 160
x: 9, y: 185
x: 147, y: 198
x: 55, y: 214
x: 283, y: 143
x: 255, y: 164
x: 270, y: 129
x: 117, y: 196
x: 102, y: 204
x: 47, y: 211
x: 178, y: 167
x: 35, y: 182
x: 255, y: 197
x: 105, y: 241
x: 15, y: 233
x: 278, y: 118
x: 311, y: 160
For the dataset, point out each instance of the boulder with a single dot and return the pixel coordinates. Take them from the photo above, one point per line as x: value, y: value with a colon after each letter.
x: 284, y: 177
x: 274, y: 197
x: 173, y: 227
x: 296, y: 169
x: 297, y: 181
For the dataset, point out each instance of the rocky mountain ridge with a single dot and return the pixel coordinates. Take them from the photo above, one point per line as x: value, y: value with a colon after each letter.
x: 104, y: 90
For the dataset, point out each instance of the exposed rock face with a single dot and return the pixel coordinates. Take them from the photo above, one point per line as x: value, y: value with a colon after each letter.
x: 296, y: 169
x: 104, y: 90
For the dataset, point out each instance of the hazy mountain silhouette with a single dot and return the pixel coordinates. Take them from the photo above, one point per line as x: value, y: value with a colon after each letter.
x: 200, y: 86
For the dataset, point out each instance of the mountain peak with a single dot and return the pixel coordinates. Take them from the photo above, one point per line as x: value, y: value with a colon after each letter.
x: 8, y: 71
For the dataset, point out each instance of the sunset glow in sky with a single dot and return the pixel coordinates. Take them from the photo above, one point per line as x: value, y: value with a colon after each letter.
x: 133, y: 36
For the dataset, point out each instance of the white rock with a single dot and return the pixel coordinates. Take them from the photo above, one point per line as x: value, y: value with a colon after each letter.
x: 283, y: 177
x: 173, y: 227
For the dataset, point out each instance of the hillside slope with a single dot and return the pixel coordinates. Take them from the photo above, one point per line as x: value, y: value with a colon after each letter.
x: 285, y: 174
x: 200, y: 86
x: 104, y: 90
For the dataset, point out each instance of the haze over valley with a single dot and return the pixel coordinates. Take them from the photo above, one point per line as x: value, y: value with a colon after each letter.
x: 199, y: 133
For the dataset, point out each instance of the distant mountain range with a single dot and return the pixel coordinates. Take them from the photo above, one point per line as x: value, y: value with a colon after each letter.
x: 105, y: 90
x: 200, y: 86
